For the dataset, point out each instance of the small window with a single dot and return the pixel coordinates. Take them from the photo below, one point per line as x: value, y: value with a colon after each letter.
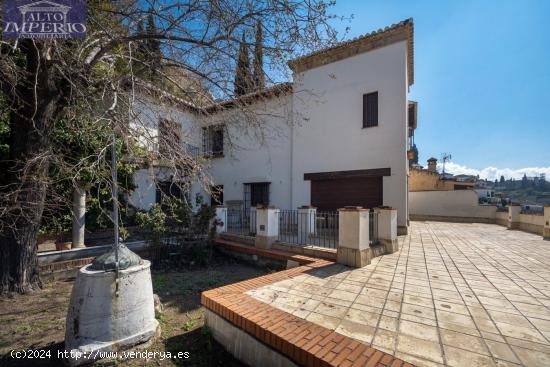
x: 255, y: 194
x: 370, y: 109
x: 212, y: 141
x: 216, y: 197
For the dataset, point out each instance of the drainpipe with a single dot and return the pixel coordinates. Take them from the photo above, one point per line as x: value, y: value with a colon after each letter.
x: 79, y: 216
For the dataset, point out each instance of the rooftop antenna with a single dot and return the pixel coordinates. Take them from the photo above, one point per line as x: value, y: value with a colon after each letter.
x: 445, y: 157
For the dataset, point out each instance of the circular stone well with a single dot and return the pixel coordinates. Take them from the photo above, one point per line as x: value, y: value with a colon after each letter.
x: 100, y: 321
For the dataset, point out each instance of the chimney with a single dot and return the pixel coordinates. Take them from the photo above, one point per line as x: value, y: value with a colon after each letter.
x: 432, y: 165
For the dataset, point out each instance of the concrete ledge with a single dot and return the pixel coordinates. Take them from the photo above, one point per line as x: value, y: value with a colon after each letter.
x: 513, y: 225
x: 243, y: 346
x: 247, y: 240
x: 353, y: 257
x: 269, y: 254
x: 320, y: 252
x: 264, y: 242
x: 531, y: 228
x: 501, y: 222
x: 390, y: 246
x: 437, y: 218
x: 84, y: 252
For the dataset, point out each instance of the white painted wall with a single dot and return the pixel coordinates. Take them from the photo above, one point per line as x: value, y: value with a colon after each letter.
x: 328, y: 113
x: 146, y: 114
x: 144, y: 122
x: 144, y: 195
x: 457, y: 203
x: 316, y: 128
x: 257, y: 150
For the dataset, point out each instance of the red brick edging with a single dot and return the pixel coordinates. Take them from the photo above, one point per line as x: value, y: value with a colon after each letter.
x: 300, y: 340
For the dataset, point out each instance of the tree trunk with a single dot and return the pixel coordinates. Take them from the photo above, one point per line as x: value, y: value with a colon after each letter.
x: 35, y: 105
x: 28, y: 183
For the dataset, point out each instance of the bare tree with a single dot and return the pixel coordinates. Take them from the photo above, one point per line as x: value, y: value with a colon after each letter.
x: 46, y: 81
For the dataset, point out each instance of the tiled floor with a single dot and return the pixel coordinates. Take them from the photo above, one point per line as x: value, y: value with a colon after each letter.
x: 455, y: 295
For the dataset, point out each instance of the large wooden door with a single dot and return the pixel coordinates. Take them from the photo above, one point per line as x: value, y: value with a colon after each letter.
x: 353, y: 191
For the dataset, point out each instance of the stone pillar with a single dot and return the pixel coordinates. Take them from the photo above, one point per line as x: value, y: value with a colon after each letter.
x: 267, y: 226
x: 513, y: 216
x: 306, y: 223
x: 387, y: 229
x: 221, y: 215
x: 353, y: 237
x: 79, y: 217
x: 546, y: 229
x: 252, y: 223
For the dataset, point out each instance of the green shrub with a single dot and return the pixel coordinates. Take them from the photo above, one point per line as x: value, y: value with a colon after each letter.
x: 153, y: 221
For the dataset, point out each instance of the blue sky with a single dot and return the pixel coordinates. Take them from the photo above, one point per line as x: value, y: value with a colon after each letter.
x: 482, y: 79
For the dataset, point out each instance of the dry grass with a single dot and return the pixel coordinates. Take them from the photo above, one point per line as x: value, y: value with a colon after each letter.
x: 37, y: 321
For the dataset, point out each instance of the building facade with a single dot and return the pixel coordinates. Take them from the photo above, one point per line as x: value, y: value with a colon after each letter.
x: 337, y: 136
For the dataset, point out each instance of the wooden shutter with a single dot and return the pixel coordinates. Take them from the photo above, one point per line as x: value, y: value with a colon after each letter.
x: 370, y: 109
x: 354, y: 191
x: 412, y: 115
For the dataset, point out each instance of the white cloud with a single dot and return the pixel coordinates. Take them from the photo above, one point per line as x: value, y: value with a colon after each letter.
x: 492, y: 173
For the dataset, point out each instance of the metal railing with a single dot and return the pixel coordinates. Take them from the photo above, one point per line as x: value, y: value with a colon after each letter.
x: 288, y: 226
x: 241, y: 222
x: 308, y: 228
x: 373, y: 227
x: 326, y: 230
x: 192, y: 150
x: 532, y: 209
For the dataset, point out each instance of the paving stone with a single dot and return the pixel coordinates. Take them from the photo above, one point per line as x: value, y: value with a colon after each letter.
x: 362, y: 317
x: 420, y: 348
x: 460, y: 357
x: 531, y: 358
x: 468, y: 342
x: 469, y: 286
x: 419, y: 330
x: 386, y: 339
x: 502, y: 351
x: 357, y: 331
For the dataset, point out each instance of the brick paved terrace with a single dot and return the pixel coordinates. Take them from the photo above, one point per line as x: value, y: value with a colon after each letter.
x: 455, y: 295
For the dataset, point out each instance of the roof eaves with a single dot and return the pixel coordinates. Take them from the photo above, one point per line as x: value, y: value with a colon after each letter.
x: 402, y: 31
x: 266, y: 93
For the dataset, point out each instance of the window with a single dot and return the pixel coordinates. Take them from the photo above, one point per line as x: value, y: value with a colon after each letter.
x: 212, y: 141
x: 255, y: 194
x: 169, y: 136
x: 216, y: 197
x: 171, y: 189
x: 370, y: 109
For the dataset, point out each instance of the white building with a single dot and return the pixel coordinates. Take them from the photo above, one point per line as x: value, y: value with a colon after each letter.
x: 337, y: 136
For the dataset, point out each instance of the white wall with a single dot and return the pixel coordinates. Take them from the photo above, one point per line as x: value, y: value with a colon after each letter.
x: 257, y: 148
x: 316, y: 128
x: 328, y: 113
x: 146, y: 114
x: 144, y: 121
x: 457, y: 203
x: 145, y: 193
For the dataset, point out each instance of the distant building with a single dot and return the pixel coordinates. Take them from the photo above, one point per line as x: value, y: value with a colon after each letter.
x: 430, y: 180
